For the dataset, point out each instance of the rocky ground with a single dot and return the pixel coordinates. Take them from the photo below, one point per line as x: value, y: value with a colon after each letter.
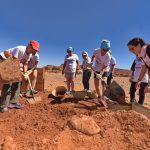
x: 45, y: 126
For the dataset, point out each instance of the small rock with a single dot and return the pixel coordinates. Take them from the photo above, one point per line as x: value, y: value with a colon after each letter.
x: 9, y: 144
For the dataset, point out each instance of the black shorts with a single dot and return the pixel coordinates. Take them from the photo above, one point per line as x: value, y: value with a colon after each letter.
x: 105, y: 74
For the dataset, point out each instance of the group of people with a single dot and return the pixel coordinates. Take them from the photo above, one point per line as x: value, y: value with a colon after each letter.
x: 103, y: 69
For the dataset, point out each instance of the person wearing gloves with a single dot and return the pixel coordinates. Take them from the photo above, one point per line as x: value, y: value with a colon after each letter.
x: 102, y: 60
x: 32, y: 64
x: 10, y: 92
x: 71, y: 65
x: 86, y: 70
x: 136, y: 69
x: 139, y: 47
x: 111, y: 69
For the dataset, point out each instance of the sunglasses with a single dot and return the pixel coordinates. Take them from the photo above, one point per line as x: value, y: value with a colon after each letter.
x: 106, y: 50
x: 69, y: 51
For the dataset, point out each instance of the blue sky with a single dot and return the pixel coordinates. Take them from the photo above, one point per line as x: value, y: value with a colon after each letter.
x: 82, y: 24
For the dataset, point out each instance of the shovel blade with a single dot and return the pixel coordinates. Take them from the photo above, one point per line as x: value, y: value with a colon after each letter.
x: 34, y: 100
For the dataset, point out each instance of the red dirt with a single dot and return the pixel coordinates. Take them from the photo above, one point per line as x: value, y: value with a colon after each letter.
x: 44, y: 126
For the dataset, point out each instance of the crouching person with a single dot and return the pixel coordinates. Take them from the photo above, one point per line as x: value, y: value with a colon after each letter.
x: 10, y: 92
x: 33, y: 62
x: 102, y: 59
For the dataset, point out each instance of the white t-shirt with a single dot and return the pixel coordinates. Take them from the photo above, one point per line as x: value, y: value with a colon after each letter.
x: 86, y: 63
x: 101, y: 60
x: 18, y: 52
x: 71, y: 64
x: 112, y: 62
x: 145, y: 56
x: 33, y: 60
x: 137, y: 71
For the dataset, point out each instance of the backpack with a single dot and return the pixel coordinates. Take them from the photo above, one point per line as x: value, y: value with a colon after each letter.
x: 148, y: 53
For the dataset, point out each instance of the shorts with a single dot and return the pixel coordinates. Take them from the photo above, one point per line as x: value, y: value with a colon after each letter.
x: 105, y: 74
x: 70, y: 75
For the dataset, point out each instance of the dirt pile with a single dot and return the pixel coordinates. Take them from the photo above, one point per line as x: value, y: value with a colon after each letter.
x: 44, y: 126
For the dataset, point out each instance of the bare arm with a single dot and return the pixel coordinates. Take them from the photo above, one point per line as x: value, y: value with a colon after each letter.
x: 78, y: 64
x: 112, y: 68
x: 143, y: 72
x: 103, y: 69
x: 65, y: 62
x: 92, y: 59
x: 25, y: 66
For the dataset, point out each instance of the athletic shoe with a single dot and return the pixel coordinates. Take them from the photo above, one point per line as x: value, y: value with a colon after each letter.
x: 2, y: 110
x: 15, y: 105
x: 68, y: 92
x: 34, y: 91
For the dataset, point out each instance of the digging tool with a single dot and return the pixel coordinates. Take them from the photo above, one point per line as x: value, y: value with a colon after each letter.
x: 99, y: 77
x: 34, y: 99
x: 113, y: 91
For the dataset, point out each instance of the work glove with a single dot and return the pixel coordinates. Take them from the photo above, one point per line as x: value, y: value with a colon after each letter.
x: 98, y: 76
x: 25, y: 75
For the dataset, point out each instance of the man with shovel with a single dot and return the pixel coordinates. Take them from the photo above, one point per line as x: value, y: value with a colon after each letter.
x: 102, y: 59
x: 10, y: 92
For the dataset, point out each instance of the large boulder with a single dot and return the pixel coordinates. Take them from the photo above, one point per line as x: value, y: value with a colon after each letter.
x: 84, y: 124
x: 115, y: 92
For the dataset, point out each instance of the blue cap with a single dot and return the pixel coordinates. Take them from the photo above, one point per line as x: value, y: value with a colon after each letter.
x: 105, y: 44
x: 70, y: 49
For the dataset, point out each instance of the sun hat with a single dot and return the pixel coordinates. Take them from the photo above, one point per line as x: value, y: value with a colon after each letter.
x: 84, y: 53
x: 35, y: 45
x: 105, y: 44
x: 71, y: 49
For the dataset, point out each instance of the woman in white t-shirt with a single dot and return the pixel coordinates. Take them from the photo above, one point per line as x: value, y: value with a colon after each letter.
x: 102, y: 60
x: 71, y: 64
x: 136, y: 70
x: 140, y: 48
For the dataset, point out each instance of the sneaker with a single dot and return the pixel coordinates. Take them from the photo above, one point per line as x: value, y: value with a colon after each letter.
x: 68, y: 93
x: 28, y: 94
x: 34, y: 91
x: 15, y: 105
x: 2, y: 110
x: 102, y: 102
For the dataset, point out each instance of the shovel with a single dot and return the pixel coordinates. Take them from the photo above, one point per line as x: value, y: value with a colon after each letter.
x: 34, y: 99
x: 97, y: 76
x: 113, y: 91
